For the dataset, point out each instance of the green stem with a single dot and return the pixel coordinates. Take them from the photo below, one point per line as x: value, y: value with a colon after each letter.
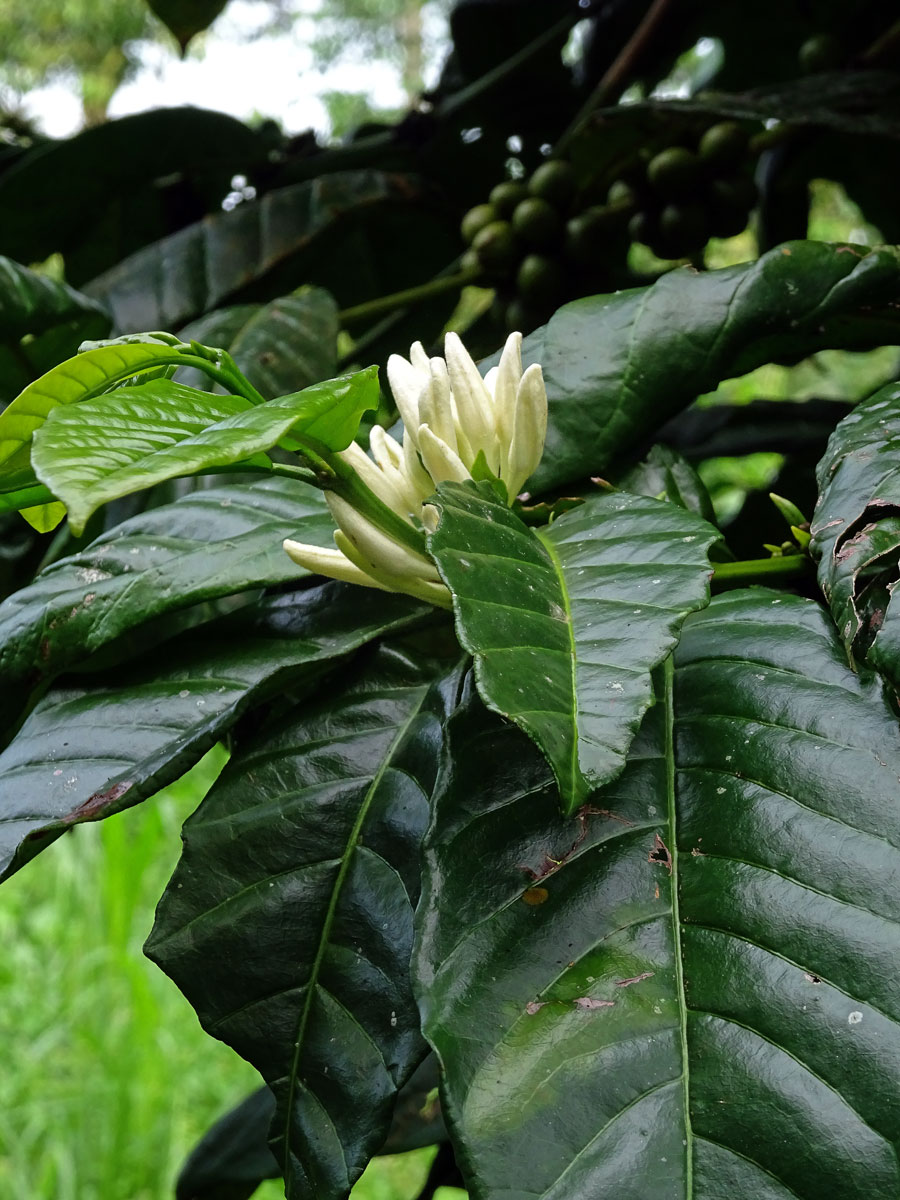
x: 424, y: 291
x: 752, y: 569
x: 347, y: 484
x: 615, y: 79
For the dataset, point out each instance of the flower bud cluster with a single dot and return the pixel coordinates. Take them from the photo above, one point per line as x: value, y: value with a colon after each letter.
x: 455, y: 424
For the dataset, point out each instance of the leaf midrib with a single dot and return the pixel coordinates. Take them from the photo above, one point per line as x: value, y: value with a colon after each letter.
x: 324, y: 939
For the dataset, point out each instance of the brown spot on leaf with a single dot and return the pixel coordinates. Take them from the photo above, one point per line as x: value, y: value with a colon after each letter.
x: 634, y: 979
x: 535, y: 896
x: 813, y: 978
x: 590, y: 1002
x: 660, y: 853
x: 95, y: 806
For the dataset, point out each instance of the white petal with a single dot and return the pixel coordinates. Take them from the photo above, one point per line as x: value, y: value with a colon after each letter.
x: 509, y: 373
x: 385, y: 448
x: 377, y: 480
x: 422, y: 589
x: 406, y: 384
x: 332, y: 563
x: 388, y: 556
x: 473, y: 400
x: 435, y: 407
x: 418, y: 357
x: 441, y: 462
x: 420, y: 482
x: 529, y: 430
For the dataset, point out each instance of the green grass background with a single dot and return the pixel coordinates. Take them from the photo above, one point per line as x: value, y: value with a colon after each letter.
x: 106, y: 1078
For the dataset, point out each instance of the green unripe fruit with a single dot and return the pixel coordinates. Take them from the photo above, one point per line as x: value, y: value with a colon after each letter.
x: 621, y: 193
x: 821, y: 52
x: 674, y: 173
x: 496, y: 247
x: 723, y: 145
x: 470, y: 260
x: 736, y: 191
x: 475, y: 220
x: 589, y: 235
x: 540, y: 280
x: 505, y: 196
x: 683, y: 229
x: 553, y: 181
x: 642, y: 228
x: 537, y: 223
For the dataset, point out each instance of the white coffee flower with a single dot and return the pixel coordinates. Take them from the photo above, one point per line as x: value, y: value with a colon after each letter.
x: 450, y: 417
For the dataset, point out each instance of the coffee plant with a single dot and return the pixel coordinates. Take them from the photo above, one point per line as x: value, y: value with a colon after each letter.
x: 561, y: 823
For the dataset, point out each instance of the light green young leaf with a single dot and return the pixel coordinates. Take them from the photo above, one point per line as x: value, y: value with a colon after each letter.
x: 74, y: 380
x: 567, y: 622
x: 131, y: 439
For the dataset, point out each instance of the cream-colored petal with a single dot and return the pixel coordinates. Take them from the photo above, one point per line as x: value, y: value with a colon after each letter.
x: 509, y: 373
x: 333, y: 563
x: 441, y: 462
x: 420, y: 482
x: 385, y: 448
x: 418, y: 357
x: 430, y: 517
x: 379, y: 481
x: 435, y: 407
x: 473, y: 401
x: 529, y: 430
x: 406, y: 385
x: 412, y: 585
x: 389, y: 557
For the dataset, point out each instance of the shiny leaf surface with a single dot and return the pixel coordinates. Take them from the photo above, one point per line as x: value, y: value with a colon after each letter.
x: 567, y: 621
x: 856, y: 529
x: 133, y: 438
x: 101, y: 743
x: 152, y: 577
x: 617, y: 366
x: 317, y: 908
x: 688, y: 988
x: 281, y: 347
x: 75, y: 380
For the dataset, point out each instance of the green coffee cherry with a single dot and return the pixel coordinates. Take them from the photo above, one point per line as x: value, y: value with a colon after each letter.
x: 642, y: 228
x: 621, y: 193
x: 505, y: 196
x: 723, y: 145
x: 475, y: 220
x: 683, y: 229
x: 589, y: 235
x: 674, y: 173
x: 554, y: 181
x: 540, y: 280
x: 736, y: 190
x: 537, y: 223
x: 470, y: 260
x: 821, y: 52
x: 496, y: 247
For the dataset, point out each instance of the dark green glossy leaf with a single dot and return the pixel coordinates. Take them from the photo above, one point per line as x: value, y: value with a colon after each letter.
x: 126, y: 182
x: 233, y: 1156
x: 151, y: 578
x: 288, y: 922
x: 689, y: 988
x: 566, y: 622
x: 281, y: 347
x: 52, y: 318
x: 133, y: 438
x: 666, y: 474
x: 340, y: 231
x: 617, y: 366
x: 856, y: 529
x: 102, y: 743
